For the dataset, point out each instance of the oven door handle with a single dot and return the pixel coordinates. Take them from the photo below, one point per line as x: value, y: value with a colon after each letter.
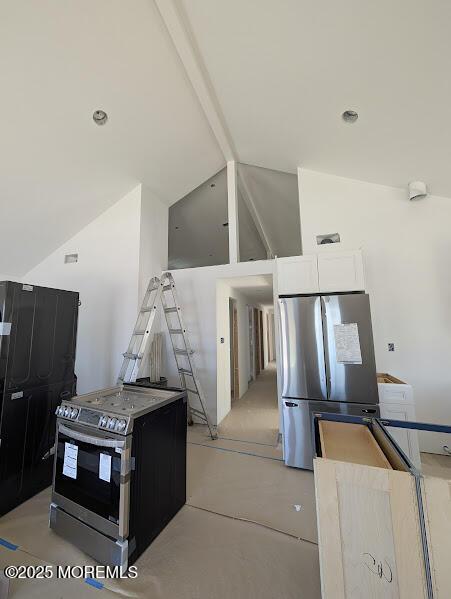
x: 92, y: 440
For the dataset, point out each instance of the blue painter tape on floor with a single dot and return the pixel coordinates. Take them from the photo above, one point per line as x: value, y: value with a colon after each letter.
x: 94, y: 583
x: 8, y: 545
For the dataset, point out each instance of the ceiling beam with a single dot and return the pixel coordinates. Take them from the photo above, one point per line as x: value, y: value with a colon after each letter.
x: 249, y: 201
x: 179, y: 29
x: 182, y: 37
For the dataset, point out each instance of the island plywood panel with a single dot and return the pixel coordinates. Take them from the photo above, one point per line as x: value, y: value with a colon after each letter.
x: 349, y: 442
x: 436, y: 493
x: 368, y: 530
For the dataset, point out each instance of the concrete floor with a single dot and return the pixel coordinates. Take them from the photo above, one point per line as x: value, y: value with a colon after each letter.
x: 255, y: 416
x: 248, y: 529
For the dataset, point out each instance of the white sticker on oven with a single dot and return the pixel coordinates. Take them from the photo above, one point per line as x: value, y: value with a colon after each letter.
x: 347, y: 343
x: 105, y: 467
x: 70, y: 460
x: 5, y: 328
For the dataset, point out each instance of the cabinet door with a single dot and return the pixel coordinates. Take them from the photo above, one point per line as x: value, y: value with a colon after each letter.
x: 341, y: 271
x: 405, y: 438
x: 297, y: 274
x: 395, y: 393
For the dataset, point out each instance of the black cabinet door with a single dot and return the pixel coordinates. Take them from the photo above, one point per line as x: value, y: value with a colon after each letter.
x: 13, y: 432
x: 27, y: 431
x: 43, y: 336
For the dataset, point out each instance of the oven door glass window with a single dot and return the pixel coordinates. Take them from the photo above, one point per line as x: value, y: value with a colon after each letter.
x: 88, y: 489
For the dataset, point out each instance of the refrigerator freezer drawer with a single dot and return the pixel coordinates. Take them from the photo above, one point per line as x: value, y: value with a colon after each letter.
x: 298, y: 433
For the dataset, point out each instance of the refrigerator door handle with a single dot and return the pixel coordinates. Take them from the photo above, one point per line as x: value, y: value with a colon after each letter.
x: 326, y: 346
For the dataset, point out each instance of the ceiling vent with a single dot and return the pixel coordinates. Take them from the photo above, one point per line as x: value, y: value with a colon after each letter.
x: 329, y: 238
x: 70, y: 258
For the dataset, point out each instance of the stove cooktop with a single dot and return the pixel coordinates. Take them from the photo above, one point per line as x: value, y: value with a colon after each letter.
x: 114, y: 409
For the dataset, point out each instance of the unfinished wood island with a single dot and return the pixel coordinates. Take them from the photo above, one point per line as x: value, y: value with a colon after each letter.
x: 368, y: 525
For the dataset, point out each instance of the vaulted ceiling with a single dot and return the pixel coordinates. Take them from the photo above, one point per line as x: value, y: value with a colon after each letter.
x: 282, y: 73
x: 60, y: 61
x: 285, y: 71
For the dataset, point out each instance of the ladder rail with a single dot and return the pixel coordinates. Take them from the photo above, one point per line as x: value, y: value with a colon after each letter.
x: 149, y: 308
x: 157, y: 291
x: 168, y: 286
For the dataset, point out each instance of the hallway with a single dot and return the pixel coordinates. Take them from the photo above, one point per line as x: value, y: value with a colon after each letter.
x: 255, y: 417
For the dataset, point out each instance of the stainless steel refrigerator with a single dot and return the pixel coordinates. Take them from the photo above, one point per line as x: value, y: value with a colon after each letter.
x: 328, y: 365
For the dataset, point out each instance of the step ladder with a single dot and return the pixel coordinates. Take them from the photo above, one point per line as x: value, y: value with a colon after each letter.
x: 164, y: 290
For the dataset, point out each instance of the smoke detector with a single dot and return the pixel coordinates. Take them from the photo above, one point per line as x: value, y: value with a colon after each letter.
x: 417, y: 190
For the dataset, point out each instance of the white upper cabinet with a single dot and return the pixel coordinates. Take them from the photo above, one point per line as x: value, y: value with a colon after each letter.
x: 297, y: 274
x: 341, y: 271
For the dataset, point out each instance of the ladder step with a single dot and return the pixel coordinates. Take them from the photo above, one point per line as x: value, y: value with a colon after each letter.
x: 185, y: 371
x: 167, y: 287
x: 129, y: 356
x: 149, y: 309
x: 139, y: 333
x: 183, y: 352
x: 192, y: 391
x: 176, y: 331
x: 167, y: 310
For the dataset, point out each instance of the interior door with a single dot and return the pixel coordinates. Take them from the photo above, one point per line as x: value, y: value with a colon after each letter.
x: 302, y: 349
x: 257, y: 343
x: 349, y: 349
x: 234, y: 361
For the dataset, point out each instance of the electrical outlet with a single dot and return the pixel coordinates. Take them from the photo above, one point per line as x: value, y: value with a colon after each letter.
x: 391, y: 347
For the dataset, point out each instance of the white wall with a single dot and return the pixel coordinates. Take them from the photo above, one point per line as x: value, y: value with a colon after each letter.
x: 153, y: 256
x: 153, y: 248
x: 106, y: 276
x: 407, y: 249
x: 117, y: 253
x: 197, y: 295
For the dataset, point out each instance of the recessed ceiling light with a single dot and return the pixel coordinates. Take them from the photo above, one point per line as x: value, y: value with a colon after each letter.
x: 350, y: 116
x: 100, y: 117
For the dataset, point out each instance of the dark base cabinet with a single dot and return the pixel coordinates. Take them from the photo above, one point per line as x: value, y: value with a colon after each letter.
x: 158, y: 487
x: 37, y: 356
x: 28, y: 438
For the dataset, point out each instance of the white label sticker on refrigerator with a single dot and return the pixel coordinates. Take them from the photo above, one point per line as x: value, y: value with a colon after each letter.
x: 105, y: 467
x: 347, y: 343
x: 70, y: 460
x: 5, y: 328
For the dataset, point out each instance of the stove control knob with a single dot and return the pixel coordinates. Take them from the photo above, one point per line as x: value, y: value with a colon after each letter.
x: 59, y: 410
x: 120, y: 426
x: 103, y: 421
x: 67, y: 411
x: 112, y: 423
x: 74, y: 413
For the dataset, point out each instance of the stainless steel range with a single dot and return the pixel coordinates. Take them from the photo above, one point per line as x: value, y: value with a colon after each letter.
x: 120, y: 469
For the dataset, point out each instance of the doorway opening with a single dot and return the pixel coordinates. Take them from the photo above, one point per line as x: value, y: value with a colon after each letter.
x: 247, y: 375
